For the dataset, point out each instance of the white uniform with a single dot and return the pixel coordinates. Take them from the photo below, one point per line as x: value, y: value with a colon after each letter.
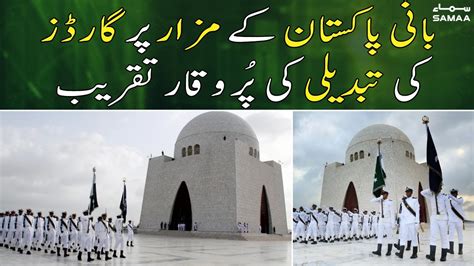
x: 101, y: 230
x: 3, y: 226
x: 386, y: 223
x: 19, y: 231
x: 64, y: 233
x: 300, y: 229
x: 455, y: 222
x: 27, y: 231
x: 409, y: 222
x: 11, y: 231
x: 51, y: 225
x: 355, y: 225
x: 365, y: 225
x: 109, y: 233
x: 129, y: 232
x: 438, y: 221
x: 344, y: 228
x: 321, y: 217
x: 118, y: 234
x: 330, y: 230
x: 87, y: 234
x: 312, y: 230
x: 73, y: 233
x: 39, y: 231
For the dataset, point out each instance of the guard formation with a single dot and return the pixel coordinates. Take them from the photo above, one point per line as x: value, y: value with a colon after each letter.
x: 328, y: 225
x: 24, y: 232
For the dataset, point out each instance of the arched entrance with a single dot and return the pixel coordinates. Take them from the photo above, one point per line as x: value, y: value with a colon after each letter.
x: 265, y: 217
x: 422, y: 202
x: 350, y: 200
x: 181, y: 212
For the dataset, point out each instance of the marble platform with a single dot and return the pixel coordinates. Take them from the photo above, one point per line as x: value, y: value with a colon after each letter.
x: 360, y: 253
x: 168, y: 250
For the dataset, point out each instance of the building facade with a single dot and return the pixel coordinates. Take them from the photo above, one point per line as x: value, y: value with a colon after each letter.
x: 350, y: 184
x: 215, y: 179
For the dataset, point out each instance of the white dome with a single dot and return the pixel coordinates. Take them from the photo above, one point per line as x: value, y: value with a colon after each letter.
x: 217, y: 122
x: 379, y: 131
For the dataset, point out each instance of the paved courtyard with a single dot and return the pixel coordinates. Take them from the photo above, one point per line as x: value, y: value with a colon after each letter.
x: 166, y: 250
x: 360, y: 253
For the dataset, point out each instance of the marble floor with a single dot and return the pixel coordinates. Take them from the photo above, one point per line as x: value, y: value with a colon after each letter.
x: 360, y: 253
x: 165, y: 250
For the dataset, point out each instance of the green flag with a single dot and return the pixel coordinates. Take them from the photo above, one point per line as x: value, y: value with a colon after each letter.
x: 379, y: 177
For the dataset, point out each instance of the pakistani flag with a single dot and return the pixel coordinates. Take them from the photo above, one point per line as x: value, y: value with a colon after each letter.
x: 93, y: 197
x: 379, y: 177
x: 123, y: 202
x: 435, y: 174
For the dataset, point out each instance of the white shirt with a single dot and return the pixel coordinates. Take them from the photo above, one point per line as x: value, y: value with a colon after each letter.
x: 39, y: 223
x: 27, y: 218
x: 388, y: 212
x: 443, y: 203
x: 406, y: 217
x: 119, y: 225
x: 456, y: 204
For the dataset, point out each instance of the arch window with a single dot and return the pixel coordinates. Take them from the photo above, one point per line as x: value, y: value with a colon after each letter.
x: 356, y: 156
x: 251, y: 151
x: 361, y: 154
x: 407, y: 153
x: 197, y: 149
x: 255, y: 153
x: 183, y: 152
x: 352, y: 157
x: 190, y: 150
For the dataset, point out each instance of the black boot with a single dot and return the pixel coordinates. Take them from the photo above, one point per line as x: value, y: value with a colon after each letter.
x: 107, y: 256
x: 444, y: 252
x: 115, y: 254
x: 415, y: 253
x: 432, y: 254
x: 451, y: 247
x: 378, y: 251
x: 28, y: 252
x: 293, y: 241
x: 89, y: 259
x: 131, y: 244
x: 409, y: 245
x: 20, y: 250
x: 79, y: 256
x: 58, y: 251
x: 389, y: 250
x: 98, y: 256
x: 397, y: 246
x: 121, y: 254
x: 65, y: 252
x: 460, y: 249
x: 400, y: 252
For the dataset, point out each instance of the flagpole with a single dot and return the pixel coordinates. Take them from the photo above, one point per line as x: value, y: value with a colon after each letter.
x: 379, y: 141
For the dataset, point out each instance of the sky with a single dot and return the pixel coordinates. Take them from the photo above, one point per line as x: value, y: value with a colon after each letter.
x: 321, y: 137
x: 46, y: 157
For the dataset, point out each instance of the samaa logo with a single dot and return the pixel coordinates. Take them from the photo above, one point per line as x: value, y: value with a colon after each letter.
x: 451, y: 14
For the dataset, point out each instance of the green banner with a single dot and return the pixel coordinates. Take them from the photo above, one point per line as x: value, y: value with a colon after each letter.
x: 145, y: 54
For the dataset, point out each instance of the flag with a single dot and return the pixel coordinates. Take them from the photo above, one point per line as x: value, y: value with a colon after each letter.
x: 435, y: 174
x: 93, y: 204
x: 379, y: 177
x: 123, y: 203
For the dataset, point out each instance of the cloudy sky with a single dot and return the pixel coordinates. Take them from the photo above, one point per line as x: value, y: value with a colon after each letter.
x: 46, y: 158
x: 321, y: 137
